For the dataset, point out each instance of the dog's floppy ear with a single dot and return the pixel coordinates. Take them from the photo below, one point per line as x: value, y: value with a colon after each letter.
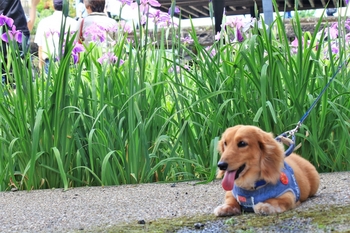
x: 272, y: 156
x: 221, y: 146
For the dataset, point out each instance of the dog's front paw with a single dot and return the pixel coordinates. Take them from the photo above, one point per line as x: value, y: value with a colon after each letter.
x: 226, y: 210
x: 266, y: 208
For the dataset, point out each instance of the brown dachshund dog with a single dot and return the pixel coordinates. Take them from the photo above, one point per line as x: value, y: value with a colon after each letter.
x: 257, y: 175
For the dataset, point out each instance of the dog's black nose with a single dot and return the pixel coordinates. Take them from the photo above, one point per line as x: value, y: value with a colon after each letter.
x: 222, y: 165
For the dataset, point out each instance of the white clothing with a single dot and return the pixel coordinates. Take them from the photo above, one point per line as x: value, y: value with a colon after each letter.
x: 47, y: 33
x: 92, y: 29
x: 113, y: 6
x: 76, y: 7
x: 82, y: 10
x: 128, y: 14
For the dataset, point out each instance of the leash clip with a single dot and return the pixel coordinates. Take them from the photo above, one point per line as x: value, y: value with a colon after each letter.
x: 288, y: 138
x: 295, y: 130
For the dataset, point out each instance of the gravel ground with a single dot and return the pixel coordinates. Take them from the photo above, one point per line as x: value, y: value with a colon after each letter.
x: 86, y: 208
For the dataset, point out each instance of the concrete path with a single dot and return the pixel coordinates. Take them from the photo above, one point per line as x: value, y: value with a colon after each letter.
x: 84, y: 209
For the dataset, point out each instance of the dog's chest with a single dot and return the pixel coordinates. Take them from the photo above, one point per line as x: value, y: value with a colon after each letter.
x: 287, y: 182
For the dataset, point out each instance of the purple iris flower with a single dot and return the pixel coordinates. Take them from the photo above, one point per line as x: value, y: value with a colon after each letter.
x: 234, y: 22
x: 126, y: 2
x: 96, y: 32
x: 154, y: 3
x: 75, y: 58
x: 51, y: 32
x: 176, y: 10
x: 126, y: 27
x: 12, y: 34
x: 295, y: 42
x: 333, y: 31
x: 144, y: 5
x: 155, y: 15
x: 211, y: 50
x: 187, y: 40
x: 347, y: 37
x: 217, y: 36
x: 347, y: 26
x: 109, y: 58
x: 160, y: 17
x: 6, y: 20
x: 143, y: 19
x: 335, y: 49
x: 78, y: 48
x: 239, y: 35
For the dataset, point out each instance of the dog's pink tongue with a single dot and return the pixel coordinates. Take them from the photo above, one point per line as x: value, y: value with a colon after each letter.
x: 228, y: 181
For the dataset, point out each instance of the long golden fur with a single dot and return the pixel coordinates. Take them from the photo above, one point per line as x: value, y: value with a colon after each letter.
x: 263, y: 157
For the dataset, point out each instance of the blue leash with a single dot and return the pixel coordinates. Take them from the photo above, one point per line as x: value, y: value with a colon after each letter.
x: 291, y: 133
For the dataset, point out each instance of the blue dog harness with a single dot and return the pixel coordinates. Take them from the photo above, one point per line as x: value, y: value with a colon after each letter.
x: 248, y: 198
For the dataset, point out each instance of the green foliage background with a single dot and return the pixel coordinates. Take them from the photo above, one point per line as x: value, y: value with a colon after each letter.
x: 158, y: 117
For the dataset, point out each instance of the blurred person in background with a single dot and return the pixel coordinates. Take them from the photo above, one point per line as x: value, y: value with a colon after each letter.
x: 32, y: 14
x: 127, y: 14
x: 111, y: 6
x: 81, y: 10
x: 48, y: 33
x: 96, y: 24
x: 14, y: 10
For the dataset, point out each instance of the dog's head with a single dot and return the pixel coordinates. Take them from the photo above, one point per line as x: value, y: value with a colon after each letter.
x: 249, y: 154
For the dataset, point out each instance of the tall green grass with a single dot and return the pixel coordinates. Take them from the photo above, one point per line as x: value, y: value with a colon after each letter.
x: 158, y: 116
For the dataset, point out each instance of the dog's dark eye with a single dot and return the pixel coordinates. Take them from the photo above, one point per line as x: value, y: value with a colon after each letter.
x: 242, y: 144
x: 225, y: 144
